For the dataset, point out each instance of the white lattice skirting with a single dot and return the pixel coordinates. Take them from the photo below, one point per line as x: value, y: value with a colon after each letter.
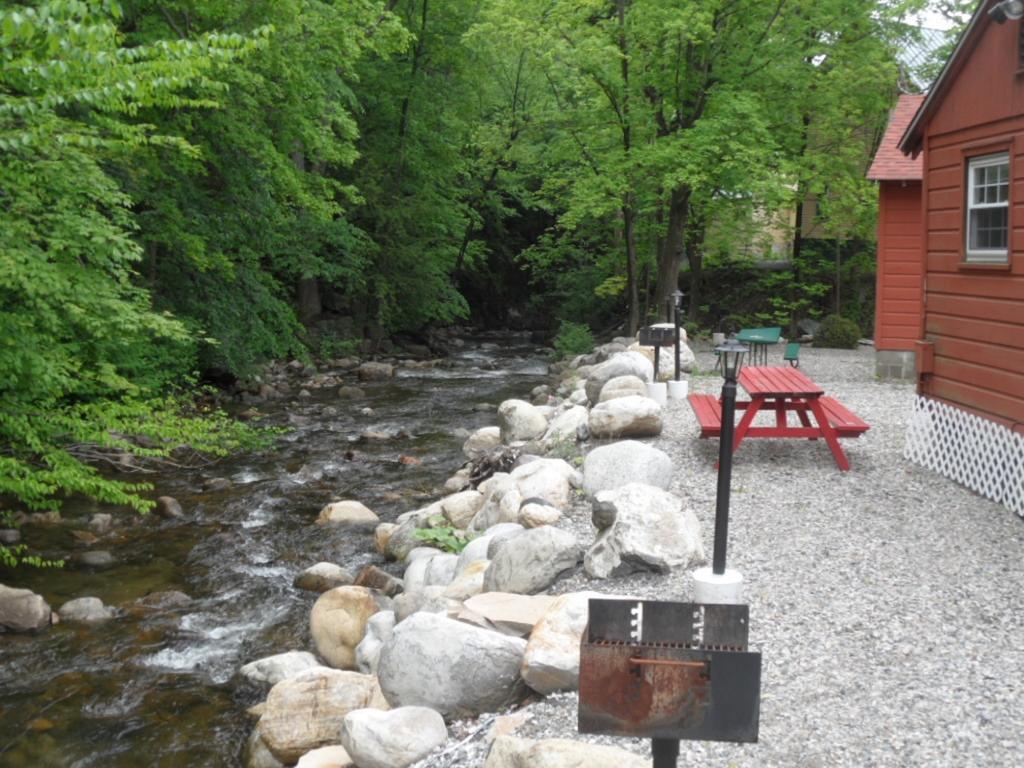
x: 985, y: 456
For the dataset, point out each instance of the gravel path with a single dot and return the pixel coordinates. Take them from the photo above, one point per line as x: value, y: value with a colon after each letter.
x: 887, y: 602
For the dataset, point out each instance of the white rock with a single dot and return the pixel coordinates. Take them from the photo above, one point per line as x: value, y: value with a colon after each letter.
x: 426, y: 600
x: 86, y: 610
x: 519, y: 420
x: 501, y: 502
x: 460, y: 508
x: 552, y: 658
x: 482, y: 442
x: 22, y: 610
x: 543, y: 479
x: 281, y: 666
x: 623, y: 386
x: 451, y: 667
x: 347, y: 513
x: 393, y: 739
x: 627, y: 461
x: 322, y: 577
x: 515, y: 614
x: 650, y: 529
x: 469, y: 582
x: 338, y: 622
x: 534, y: 515
x: 378, y: 631
x: 436, y: 570
x: 326, y: 757
x: 624, y: 364
x: 625, y: 417
x: 513, y: 752
x: 565, y: 426
x: 531, y: 561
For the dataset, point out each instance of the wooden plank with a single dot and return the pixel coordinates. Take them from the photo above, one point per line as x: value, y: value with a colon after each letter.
x: 996, y: 286
x: 984, y: 401
x: 963, y: 328
x: 981, y: 352
x: 993, y: 310
x: 1005, y: 383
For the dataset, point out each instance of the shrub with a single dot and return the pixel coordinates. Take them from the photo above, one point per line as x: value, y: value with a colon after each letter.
x: 573, y: 339
x: 837, y: 332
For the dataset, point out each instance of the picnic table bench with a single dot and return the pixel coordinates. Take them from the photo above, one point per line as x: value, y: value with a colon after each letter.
x: 783, y: 390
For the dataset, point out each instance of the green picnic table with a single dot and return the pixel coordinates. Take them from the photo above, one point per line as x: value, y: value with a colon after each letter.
x: 759, y: 339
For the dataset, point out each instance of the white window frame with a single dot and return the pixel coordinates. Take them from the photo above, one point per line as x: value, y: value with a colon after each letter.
x: 987, y: 255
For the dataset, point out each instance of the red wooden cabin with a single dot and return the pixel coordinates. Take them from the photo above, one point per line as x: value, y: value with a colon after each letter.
x: 969, y: 131
x: 899, y: 287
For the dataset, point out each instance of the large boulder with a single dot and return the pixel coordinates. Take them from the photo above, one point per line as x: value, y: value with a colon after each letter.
x: 256, y: 754
x: 22, y: 610
x: 546, y: 479
x: 565, y: 427
x: 531, y: 561
x: 449, y: 666
x: 348, y: 512
x: 469, y: 582
x: 460, y: 508
x: 322, y: 577
x: 552, y: 659
x: 393, y: 739
x: 519, y: 420
x: 623, y: 386
x: 86, y: 610
x: 482, y: 442
x: 632, y: 416
x: 307, y: 711
x: 647, y: 529
x: 627, y: 461
x: 436, y: 570
x: 281, y: 666
x: 507, y: 612
x: 513, y: 752
x: 625, y: 364
x: 378, y: 631
x: 338, y: 623
x: 501, y: 503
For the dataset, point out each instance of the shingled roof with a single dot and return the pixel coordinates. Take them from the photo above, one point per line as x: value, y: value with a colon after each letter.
x: 890, y: 164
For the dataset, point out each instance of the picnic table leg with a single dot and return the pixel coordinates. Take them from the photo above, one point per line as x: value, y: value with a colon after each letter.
x: 829, y: 434
x: 746, y: 421
x: 802, y: 413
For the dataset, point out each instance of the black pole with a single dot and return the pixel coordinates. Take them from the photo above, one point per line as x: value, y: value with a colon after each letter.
x: 724, y: 475
x: 666, y: 752
x: 657, y: 358
x: 675, y: 317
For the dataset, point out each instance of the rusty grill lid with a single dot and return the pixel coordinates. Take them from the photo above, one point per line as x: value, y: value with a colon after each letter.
x: 669, y: 670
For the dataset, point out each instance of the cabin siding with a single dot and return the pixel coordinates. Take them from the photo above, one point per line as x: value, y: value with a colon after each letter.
x: 898, y: 294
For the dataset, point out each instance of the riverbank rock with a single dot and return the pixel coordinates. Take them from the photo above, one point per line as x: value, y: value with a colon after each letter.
x: 378, y: 631
x: 22, y: 610
x: 624, y: 364
x: 326, y: 757
x: 506, y: 612
x: 86, y: 610
x: 469, y: 582
x: 338, y: 623
x: 513, y: 752
x: 501, y: 502
x: 629, y: 461
x: 322, y: 577
x: 281, y: 666
x: 101, y: 522
x: 547, y: 479
x: 534, y: 513
x: 433, y: 571
x: 256, y: 754
x: 647, y: 529
x: 519, y: 420
x: 168, y: 506
x: 349, y: 513
x: 375, y: 371
x: 393, y: 739
x: 482, y: 442
x: 451, y: 667
x: 631, y: 416
x: 531, y: 561
x: 623, y: 386
x: 551, y: 661
x: 307, y: 711
x: 566, y: 426
x: 372, y: 577
x: 351, y: 393
x: 460, y: 508
x: 97, y: 558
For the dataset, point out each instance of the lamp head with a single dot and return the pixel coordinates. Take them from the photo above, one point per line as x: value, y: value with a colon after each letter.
x: 677, y: 295
x: 1007, y: 9
x: 731, y: 353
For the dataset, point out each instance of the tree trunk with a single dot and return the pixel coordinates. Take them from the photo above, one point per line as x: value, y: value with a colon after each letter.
x: 695, y: 232
x: 628, y: 214
x: 671, y: 256
x: 628, y: 217
x: 308, y: 299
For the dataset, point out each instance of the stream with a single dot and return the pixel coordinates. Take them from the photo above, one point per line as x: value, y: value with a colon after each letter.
x: 157, y: 686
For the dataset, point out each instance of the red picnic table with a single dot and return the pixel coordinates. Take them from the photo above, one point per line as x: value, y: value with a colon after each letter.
x: 783, y: 390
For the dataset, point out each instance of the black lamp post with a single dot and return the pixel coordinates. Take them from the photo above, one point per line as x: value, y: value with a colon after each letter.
x: 677, y: 296
x: 731, y: 356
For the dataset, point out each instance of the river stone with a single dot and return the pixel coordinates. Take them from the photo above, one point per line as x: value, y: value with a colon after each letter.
x: 631, y: 416
x: 532, y: 561
x: 473, y: 552
x: 9, y: 535
x: 451, y: 667
x: 168, y: 506
x: 459, y: 481
x: 507, y: 612
x: 628, y: 461
x: 257, y: 755
x: 306, y: 711
x: 469, y: 582
x: 565, y: 428
x: 378, y: 631
x: 513, y: 752
x: 623, y: 386
x: 97, y: 558
x: 401, y: 541
x: 533, y: 514
x: 519, y: 420
x: 164, y: 600
x: 436, y: 570
x: 22, y: 610
x: 501, y: 502
x: 381, y: 535
x: 498, y: 533
x: 426, y: 600
x: 460, y: 508
x: 351, y: 393
x: 215, y: 484
x: 547, y: 479
x: 327, y: 757
x: 322, y: 577
x: 338, y: 622
x: 86, y: 610
x: 349, y: 513
x: 281, y: 666
x: 482, y: 442
x: 393, y: 739
x: 625, y: 364
x: 552, y: 659
x: 375, y: 371
x: 101, y: 522
x: 651, y: 530
x: 372, y: 577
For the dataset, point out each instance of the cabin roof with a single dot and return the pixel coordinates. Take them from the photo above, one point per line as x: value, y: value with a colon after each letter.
x: 890, y: 164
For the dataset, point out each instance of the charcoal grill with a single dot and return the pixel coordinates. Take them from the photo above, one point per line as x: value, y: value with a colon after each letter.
x: 669, y: 671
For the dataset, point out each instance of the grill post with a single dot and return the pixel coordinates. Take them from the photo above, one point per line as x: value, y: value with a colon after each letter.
x: 666, y: 752
x: 724, y: 476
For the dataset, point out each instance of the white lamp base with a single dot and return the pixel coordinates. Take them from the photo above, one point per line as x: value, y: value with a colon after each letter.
x: 709, y: 587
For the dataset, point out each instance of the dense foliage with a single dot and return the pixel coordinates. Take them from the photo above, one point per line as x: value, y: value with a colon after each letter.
x: 189, y: 188
x: 837, y: 332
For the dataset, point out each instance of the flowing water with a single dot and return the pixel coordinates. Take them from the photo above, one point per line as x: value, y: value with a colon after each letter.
x: 157, y: 687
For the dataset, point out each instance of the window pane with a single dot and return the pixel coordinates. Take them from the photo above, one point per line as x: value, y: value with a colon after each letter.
x: 988, y: 229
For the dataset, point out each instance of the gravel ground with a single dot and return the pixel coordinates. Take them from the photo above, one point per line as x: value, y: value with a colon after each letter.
x: 887, y: 602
